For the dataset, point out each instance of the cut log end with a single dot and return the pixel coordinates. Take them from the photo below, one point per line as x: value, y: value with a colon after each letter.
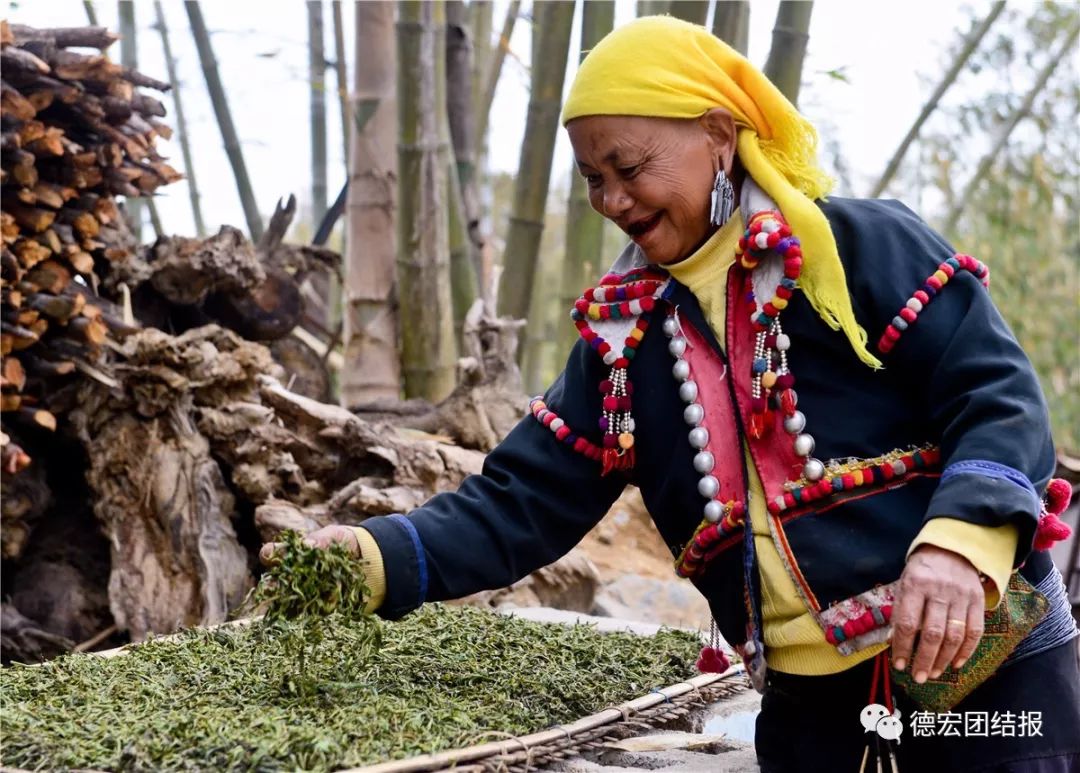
x: 39, y: 417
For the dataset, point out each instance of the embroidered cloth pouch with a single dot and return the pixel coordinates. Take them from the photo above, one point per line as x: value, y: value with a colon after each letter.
x: 860, y: 621
x: 1019, y: 612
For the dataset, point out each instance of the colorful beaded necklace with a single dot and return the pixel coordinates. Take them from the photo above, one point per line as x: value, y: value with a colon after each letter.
x: 630, y: 296
x: 771, y: 380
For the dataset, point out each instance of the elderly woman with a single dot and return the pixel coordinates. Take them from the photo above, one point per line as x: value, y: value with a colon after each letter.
x: 854, y: 514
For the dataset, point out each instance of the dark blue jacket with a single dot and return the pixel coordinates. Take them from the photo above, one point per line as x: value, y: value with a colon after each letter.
x: 957, y: 379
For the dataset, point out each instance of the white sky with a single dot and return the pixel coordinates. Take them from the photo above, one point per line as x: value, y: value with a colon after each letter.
x: 891, y: 52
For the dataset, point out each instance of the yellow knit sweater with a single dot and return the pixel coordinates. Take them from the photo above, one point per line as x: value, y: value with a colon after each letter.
x: 794, y: 642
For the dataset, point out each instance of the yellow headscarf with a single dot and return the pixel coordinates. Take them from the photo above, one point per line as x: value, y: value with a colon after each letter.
x: 664, y: 67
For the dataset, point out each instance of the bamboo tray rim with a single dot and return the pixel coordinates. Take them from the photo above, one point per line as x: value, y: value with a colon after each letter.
x: 565, y: 733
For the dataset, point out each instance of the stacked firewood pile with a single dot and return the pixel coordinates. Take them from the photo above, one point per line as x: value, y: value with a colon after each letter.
x: 76, y: 133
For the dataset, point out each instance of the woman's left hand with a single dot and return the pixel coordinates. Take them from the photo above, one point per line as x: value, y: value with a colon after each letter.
x: 940, y: 598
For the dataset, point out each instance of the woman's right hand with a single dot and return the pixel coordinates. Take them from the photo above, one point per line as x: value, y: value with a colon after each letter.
x: 269, y: 554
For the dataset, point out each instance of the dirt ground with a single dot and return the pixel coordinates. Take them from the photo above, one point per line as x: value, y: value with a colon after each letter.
x: 637, y: 574
x: 626, y: 542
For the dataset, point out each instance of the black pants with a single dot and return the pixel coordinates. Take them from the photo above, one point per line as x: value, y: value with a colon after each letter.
x: 811, y: 723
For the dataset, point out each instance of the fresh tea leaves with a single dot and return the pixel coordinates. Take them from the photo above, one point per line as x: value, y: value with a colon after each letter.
x: 310, y: 582
x: 442, y: 677
x: 309, y: 585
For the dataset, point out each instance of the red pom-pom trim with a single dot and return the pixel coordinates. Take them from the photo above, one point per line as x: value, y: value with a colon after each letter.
x: 1058, y: 496
x: 1051, y: 529
x: 712, y: 661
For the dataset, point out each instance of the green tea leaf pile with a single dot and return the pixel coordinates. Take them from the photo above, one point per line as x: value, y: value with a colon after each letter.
x: 309, y: 582
x: 309, y: 585
x: 221, y: 699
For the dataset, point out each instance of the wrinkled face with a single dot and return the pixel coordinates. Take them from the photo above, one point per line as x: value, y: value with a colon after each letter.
x: 652, y: 177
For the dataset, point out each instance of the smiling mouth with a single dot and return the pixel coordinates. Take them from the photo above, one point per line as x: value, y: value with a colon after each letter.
x: 642, y: 227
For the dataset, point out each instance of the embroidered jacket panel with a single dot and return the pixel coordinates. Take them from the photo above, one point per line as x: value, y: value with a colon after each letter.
x: 957, y: 380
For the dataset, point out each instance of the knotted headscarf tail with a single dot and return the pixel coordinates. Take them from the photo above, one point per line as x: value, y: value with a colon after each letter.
x: 664, y: 67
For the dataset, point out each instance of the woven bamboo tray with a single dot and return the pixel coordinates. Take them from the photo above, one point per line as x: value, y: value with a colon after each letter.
x: 521, y: 754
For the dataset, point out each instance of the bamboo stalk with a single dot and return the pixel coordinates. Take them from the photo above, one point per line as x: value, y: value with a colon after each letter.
x: 340, y: 70
x: 372, y: 368
x: 494, y: 71
x: 155, y: 218
x: 1012, y: 121
x: 693, y: 11
x: 464, y: 254
x: 731, y: 23
x: 91, y: 13
x: 317, y: 93
x: 584, y: 226
x: 428, y: 350
x: 481, y: 23
x: 459, y: 90
x: 463, y: 267
x: 541, y: 336
x: 182, y: 135
x: 224, y: 118
x: 791, y: 32
x: 336, y: 289
x: 129, y: 57
x: 652, y: 7
x: 463, y: 262
x: 480, y: 16
x: 971, y: 42
x: 460, y: 52
x: 534, y: 168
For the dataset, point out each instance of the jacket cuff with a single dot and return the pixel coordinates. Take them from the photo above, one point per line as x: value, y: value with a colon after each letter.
x: 990, y: 549
x: 374, y: 574
x: 985, y: 493
x: 404, y: 564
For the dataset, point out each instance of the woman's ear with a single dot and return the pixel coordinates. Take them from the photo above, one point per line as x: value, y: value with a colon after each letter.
x: 720, y: 128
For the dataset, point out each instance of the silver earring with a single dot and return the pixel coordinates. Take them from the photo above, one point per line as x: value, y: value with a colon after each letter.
x: 723, y: 199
